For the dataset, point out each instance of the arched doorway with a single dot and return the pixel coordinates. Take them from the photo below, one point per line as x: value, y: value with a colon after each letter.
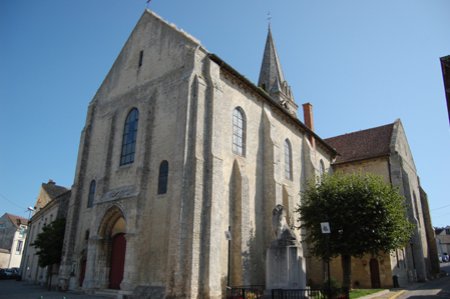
x: 113, y: 247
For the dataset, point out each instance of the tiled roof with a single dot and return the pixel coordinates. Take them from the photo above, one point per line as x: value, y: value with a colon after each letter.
x: 17, y: 220
x: 362, y: 145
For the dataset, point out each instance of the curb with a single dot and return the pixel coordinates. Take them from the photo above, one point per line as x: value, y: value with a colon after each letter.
x: 397, y: 294
x: 375, y: 295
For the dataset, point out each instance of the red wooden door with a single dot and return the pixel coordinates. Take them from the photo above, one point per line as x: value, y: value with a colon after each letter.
x: 119, y: 245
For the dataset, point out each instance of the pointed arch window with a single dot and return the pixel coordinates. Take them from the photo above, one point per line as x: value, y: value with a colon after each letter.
x: 129, y: 137
x: 239, y: 134
x: 287, y: 159
x: 91, y: 195
x: 163, y: 178
x: 322, y: 168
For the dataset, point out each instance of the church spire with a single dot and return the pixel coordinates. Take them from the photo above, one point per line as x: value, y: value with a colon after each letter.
x: 271, y: 77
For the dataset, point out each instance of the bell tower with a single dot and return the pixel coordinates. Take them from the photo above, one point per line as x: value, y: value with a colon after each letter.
x: 271, y: 77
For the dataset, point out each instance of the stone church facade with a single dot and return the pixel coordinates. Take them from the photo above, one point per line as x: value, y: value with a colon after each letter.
x: 178, y: 152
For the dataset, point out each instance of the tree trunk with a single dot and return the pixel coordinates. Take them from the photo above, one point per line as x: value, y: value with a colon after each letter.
x: 49, y: 277
x: 346, y: 261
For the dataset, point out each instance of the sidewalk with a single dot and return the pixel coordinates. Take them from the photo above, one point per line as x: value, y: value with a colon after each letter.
x: 386, y: 294
x: 394, y: 293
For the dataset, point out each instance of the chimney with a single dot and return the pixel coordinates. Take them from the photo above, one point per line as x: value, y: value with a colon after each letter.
x: 308, y: 120
x: 50, y: 181
x: 308, y: 116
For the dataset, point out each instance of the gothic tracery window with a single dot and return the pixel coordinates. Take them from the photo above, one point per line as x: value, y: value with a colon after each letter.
x: 287, y: 160
x: 91, y: 195
x: 239, y: 127
x: 129, y: 137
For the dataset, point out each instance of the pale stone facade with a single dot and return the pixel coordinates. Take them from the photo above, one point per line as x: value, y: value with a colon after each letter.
x: 51, y: 203
x: 210, y: 153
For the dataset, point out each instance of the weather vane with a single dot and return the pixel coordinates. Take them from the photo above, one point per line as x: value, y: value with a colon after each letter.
x: 148, y: 2
x: 269, y: 18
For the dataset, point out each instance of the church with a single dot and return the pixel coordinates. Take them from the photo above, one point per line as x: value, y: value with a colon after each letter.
x: 181, y: 163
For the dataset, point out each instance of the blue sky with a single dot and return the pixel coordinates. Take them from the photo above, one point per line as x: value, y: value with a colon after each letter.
x: 360, y: 63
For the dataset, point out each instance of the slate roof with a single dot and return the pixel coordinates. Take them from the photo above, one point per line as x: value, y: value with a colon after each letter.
x: 361, y: 145
x: 53, y: 190
x: 271, y: 75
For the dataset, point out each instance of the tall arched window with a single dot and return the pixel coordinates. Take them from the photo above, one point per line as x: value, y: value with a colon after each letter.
x: 416, y: 207
x: 322, y: 168
x: 163, y: 178
x: 129, y: 137
x: 239, y: 127
x: 287, y: 160
x: 91, y: 195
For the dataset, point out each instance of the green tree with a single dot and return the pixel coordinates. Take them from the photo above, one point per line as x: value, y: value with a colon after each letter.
x: 49, y: 244
x: 365, y: 214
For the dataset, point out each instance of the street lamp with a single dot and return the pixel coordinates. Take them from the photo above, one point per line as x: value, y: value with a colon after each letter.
x: 30, y: 209
x: 325, y: 228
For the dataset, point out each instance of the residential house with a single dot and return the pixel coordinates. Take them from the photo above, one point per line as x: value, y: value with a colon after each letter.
x: 443, y: 240
x: 51, y: 204
x: 13, y: 233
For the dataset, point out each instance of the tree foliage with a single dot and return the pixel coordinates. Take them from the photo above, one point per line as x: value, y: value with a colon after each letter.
x: 365, y: 214
x: 49, y: 243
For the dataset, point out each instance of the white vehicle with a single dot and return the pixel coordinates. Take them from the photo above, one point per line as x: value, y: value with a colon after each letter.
x: 445, y: 257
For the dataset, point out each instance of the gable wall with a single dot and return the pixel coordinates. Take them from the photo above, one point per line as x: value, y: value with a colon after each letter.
x: 159, y: 90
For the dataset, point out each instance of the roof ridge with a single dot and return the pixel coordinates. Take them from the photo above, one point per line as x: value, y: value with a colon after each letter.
x: 362, y: 131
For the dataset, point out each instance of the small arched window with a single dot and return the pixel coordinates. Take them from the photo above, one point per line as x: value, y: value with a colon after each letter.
x: 287, y: 159
x: 91, y: 195
x: 129, y: 137
x: 163, y: 178
x: 239, y: 134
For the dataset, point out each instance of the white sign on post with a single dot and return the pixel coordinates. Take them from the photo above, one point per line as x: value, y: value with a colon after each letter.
x: 325, y: 227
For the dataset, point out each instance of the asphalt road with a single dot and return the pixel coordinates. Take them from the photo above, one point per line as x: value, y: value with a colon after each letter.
x: 12, y: 289
x: 434, y: 289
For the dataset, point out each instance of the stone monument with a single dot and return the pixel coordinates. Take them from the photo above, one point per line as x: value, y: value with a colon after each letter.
x: 285, y: 266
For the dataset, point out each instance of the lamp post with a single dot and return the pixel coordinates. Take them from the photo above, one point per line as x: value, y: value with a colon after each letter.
x: 228, y: 237
x: 325, y: 228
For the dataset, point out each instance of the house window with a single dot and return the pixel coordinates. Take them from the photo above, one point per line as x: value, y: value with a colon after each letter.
x: 239, y: 127
x: 19, y: 247
x: 163, y: 177
x: 287, y: 160
x: 129, y: 137
x: 91, y: 195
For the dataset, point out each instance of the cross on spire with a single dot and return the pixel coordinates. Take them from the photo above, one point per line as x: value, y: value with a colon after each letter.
x: 269, y: 18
